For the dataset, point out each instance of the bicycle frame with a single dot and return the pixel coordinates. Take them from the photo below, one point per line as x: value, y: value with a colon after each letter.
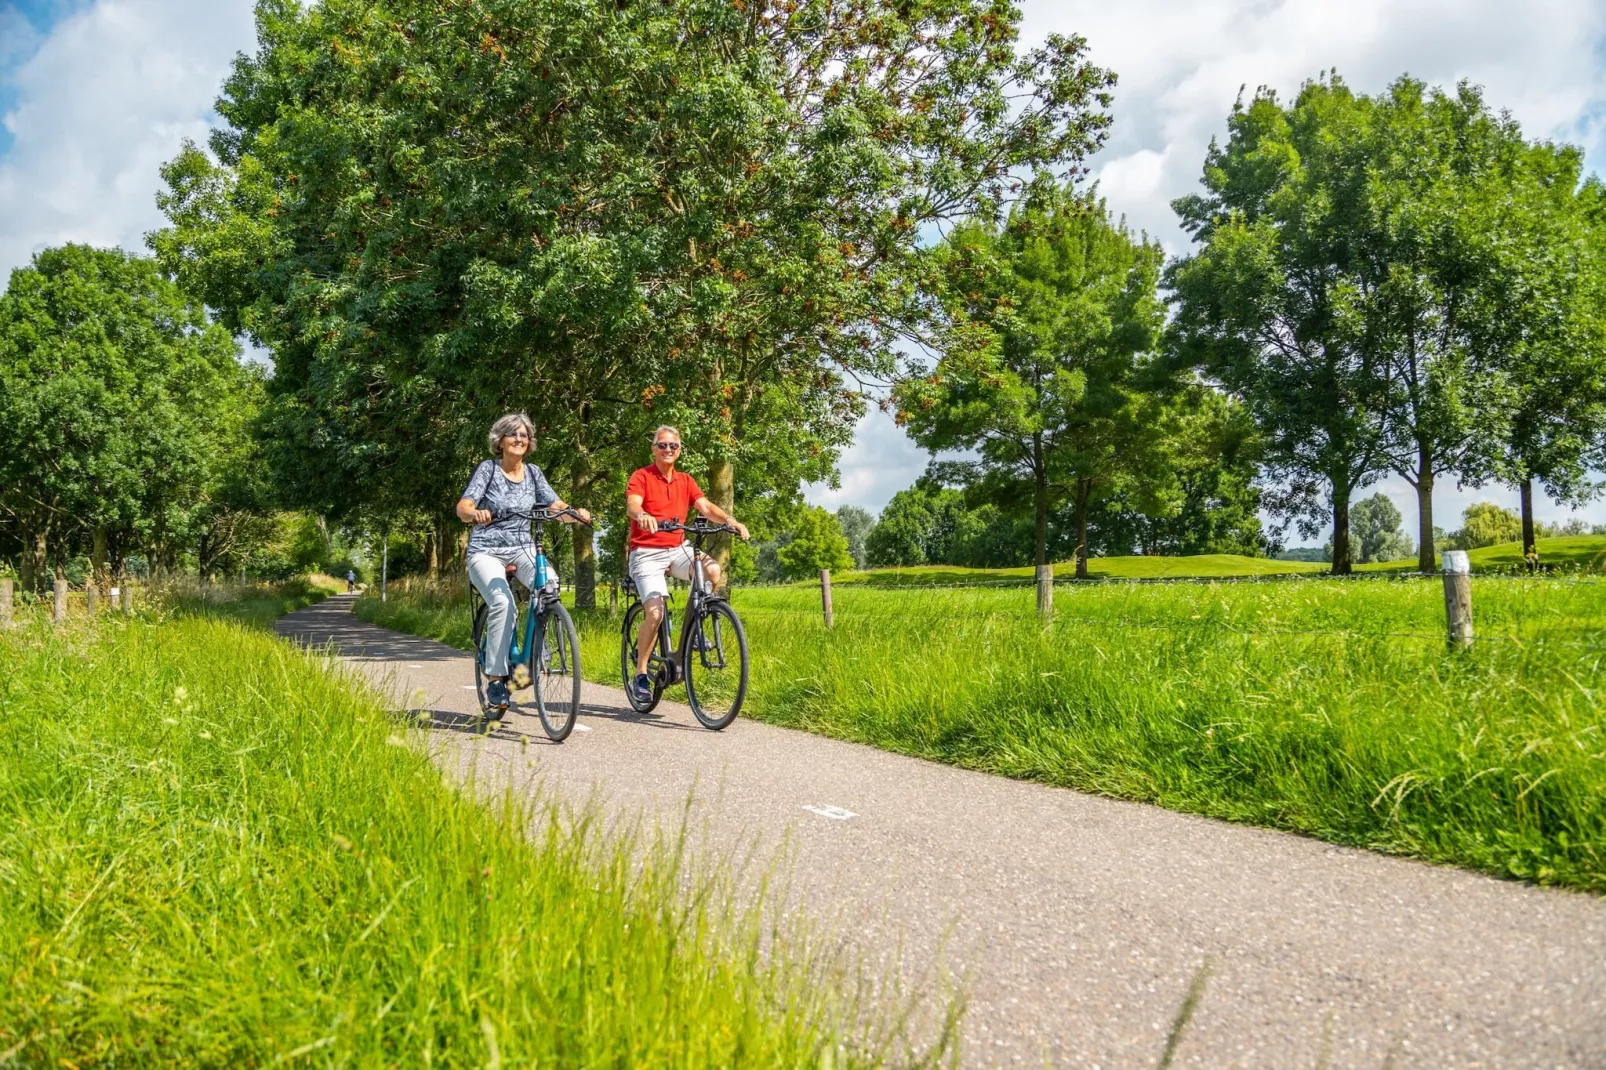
x: 523, y: 641
x: 670, y: 655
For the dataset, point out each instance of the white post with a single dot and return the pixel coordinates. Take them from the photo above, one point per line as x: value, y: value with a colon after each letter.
x: 1045, y: 592
x: 1458, y: 598
x: 825, y: 597
x: 384, y: 564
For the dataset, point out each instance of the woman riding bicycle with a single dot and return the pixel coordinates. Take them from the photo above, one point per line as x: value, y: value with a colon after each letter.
x: 497, y: 501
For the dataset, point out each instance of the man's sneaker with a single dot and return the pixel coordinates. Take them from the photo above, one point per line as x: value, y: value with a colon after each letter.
x: 496, y: 694
x: 642, y: 688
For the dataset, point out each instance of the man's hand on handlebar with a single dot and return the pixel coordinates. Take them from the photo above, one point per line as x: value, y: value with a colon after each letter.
x: 645, y: 522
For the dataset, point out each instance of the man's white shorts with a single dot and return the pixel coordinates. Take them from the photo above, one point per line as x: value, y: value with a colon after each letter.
x: 649, y: 564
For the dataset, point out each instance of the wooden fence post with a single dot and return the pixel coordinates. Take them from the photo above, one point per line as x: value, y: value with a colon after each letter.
x: 613, y: 599
x: 1458, y: 598
x: 60, y: 614
x: 1045, y: 592
x: 825, y: 597
x: 128, y: 597
x: 91, y: 596
x: 8, y: 588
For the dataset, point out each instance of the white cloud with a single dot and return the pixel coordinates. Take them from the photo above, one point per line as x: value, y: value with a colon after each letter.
x: 881, y: 462
x: 106, y: 98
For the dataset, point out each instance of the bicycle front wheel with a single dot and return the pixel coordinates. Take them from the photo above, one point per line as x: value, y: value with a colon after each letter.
x: 557, y: 670
x: 716, y: 665
x: 481, y: 637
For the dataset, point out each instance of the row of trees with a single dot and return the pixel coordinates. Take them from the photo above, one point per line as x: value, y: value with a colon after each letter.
x: 124, y: 421
x: 721, y: 216
x: 1402, y: 284
x: 1397, y: 283
x: 693, y: 212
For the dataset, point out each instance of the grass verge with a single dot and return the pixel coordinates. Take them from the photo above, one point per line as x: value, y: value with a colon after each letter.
x: 1327, y: 708
x: 213, y: 852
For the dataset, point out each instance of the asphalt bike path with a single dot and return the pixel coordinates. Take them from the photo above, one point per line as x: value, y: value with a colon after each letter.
x: 1076, y: 927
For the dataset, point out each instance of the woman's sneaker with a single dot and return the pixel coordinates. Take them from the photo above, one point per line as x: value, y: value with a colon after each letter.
x: 642, y: 688
x: 496, y: 694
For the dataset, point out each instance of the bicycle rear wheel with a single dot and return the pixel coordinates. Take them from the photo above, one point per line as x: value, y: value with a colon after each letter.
x: 715, y: 665
x: 627, y: 661
x: 557, y: 674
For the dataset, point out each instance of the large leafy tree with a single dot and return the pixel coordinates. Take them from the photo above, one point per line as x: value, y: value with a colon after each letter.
x: 1547, y: 311
x: 699, y: 212
x: 1055, y: 313
x: 1273, y: 306
x: 115, y: 392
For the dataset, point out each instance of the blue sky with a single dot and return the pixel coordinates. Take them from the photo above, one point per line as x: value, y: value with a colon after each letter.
x: 96, y: 94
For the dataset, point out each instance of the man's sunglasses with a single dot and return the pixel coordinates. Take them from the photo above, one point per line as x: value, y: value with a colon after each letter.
x: 670, y: 446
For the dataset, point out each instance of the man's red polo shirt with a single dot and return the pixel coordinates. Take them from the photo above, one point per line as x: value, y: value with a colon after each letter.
x: 662, y: 500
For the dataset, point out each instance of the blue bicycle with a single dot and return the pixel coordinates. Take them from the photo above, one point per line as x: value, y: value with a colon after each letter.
x: 543, y: 652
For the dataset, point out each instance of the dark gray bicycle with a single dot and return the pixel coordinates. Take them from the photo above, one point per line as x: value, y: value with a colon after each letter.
x: 712, y: 656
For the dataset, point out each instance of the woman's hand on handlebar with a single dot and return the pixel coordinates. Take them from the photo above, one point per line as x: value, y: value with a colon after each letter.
x: 482, y: 517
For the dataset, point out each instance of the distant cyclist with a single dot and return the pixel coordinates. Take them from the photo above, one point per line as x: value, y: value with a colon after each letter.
x: 655, y: 493
x: 499, y: 488
x: 351, y: 581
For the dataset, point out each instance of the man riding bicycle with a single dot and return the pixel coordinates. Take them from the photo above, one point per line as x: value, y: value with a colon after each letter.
x: 655, y: 493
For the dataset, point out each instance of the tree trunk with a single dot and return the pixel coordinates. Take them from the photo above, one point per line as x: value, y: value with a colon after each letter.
x: 1426, y: 560
x: 432, y: 558
x: 1341, y: 560
x: 35, y: 561
x: 722, y: 492
x: 585, y: 551
x: 1528, y: 514
x: 97, y: 558
x: 1084, y: 491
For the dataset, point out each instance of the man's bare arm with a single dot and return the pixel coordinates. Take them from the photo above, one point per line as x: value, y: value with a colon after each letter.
x: 639, y: 516
x: 718, y: 515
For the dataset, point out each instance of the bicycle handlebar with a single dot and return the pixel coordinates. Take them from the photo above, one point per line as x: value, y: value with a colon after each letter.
x: 700, y: 526
x: 543, y: 516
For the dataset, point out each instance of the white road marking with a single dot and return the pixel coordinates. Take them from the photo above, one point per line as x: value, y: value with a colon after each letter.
x: 835, y: 813
x: 415, y: 666
x: 469, y: 687
x: 582, y: 728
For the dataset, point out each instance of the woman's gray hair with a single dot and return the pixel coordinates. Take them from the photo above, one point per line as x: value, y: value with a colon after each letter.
x: 506, y: 426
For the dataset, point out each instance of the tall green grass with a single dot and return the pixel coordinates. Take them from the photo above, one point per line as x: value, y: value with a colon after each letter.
x: 1328, y: 708
x: 215, y: 852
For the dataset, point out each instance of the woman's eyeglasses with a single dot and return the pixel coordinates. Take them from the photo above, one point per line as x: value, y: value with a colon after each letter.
x: 525, y: 435
x: 670, y: 446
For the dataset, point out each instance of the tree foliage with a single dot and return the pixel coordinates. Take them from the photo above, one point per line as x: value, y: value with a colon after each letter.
x: 120, y: 409
x: 611, y: 215
x: 817, y: 543
x: 1055, y: 311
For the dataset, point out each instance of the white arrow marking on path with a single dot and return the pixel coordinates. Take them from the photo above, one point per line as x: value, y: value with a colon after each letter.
x: 835, y: 813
